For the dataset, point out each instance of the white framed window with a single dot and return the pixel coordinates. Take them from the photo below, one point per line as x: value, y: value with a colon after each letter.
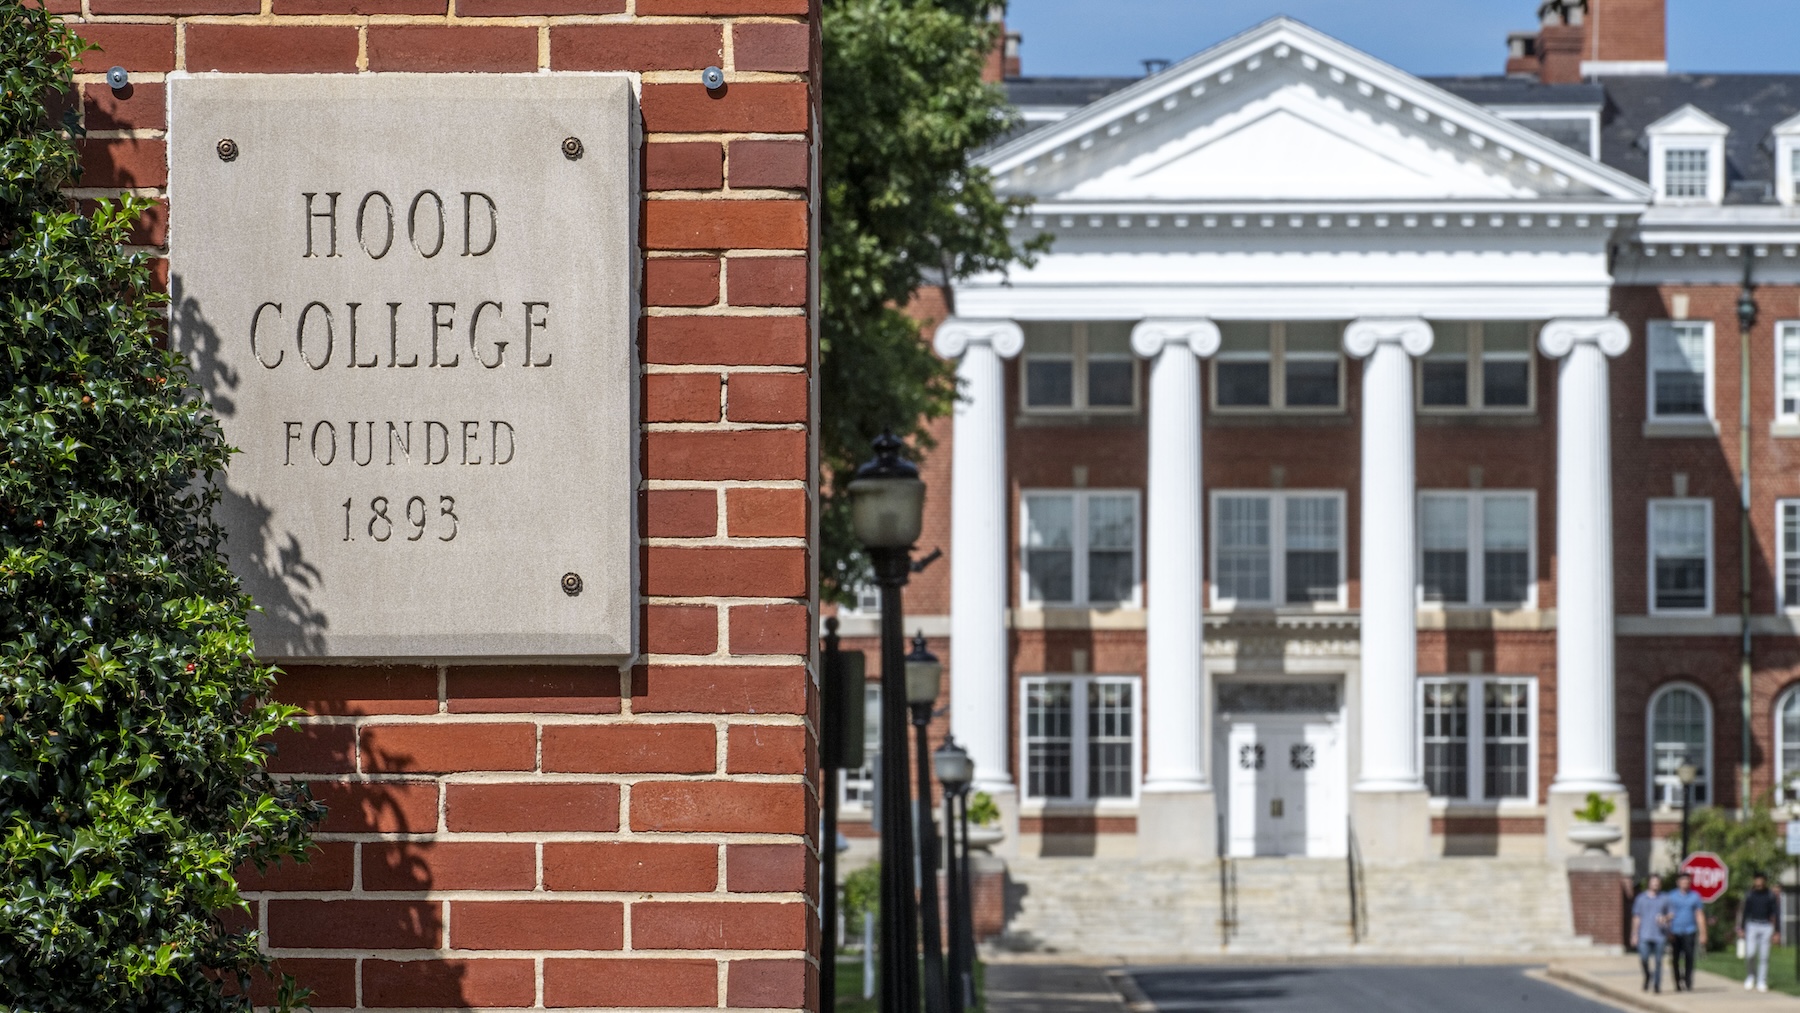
x: 1787, y: 370
x: 1080, y: 737
x: 1686, y: 172
x: 856, y: 788
x: 1680, y: 554
x: 867, y: 601
x: 1680, y: 731
x: 1687, y: 157
x: 1787, y: 745
x: 1080, y: 547
x: 1478, y: 366
x: 1785, y: 140
x: 1278, y: 549
x: 1079, y: 366
x: 1478, y: 548
x: 1291, y: 366
x: 1787, y: 566
x: 1478, y: 737
x: 1681, y: 370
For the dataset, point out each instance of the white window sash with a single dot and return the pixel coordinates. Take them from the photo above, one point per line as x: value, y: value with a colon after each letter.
x: 1475, y: 360
x: 1078, y: 740
x: 1277, y: 549
x: 1662, y: 344
x: 1787, y: 366
x: 1783, y: 791
x: 1655, y: 553
x: 1078, y: 358
x: 1475, y: 545
x: 1787, y: 520
x: 1665, y: 792
x: 1079, y: 546
x: 1476, y: 740
x: 1277, y: 358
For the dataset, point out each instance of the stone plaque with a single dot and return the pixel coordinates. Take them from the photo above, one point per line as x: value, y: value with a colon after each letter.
x: 410, y: 298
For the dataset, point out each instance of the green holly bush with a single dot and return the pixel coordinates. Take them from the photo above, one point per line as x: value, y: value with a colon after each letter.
x: 134, y: 720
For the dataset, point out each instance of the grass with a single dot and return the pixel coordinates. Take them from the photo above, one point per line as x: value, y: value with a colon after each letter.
x: 1726, y: 963
x: 849, y: 987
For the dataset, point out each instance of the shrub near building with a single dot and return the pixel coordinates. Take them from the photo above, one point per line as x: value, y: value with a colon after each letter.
x: 132, y: 715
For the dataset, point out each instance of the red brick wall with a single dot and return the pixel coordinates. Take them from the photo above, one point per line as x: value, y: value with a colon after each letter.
x: 1599, y: 901
x: 574, y: 836
x: 1627, y: 30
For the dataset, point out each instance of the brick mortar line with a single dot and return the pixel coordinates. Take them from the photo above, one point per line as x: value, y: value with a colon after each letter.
x: 693, y: 600
x: 714, y: 541
x: 727, y: 254
x: 451, y: 778
x: 555, y: 837
x: 654, y: 484
x: 722, y: 136
x: 722, y: 426
x: 554, y: 719
x: 719, y: 196
x: 420, y: 953
x: 680, y: 368
x: 749, y: 312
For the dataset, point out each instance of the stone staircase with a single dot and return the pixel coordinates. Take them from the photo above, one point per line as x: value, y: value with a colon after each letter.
x: 1449, y: 908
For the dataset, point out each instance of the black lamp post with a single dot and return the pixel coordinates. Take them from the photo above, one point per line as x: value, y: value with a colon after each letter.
x: 887, y: 506
x: 1687, y: 774
x: 923, y: 674
x: 955, y: 770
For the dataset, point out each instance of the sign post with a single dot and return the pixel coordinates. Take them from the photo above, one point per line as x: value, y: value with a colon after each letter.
x: 1708, y: 874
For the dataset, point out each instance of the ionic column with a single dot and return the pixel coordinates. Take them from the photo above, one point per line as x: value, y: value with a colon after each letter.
x: 1176, y: 813
x: 980, y: 551
x: 1585, y: 760
x: 1389, y: 805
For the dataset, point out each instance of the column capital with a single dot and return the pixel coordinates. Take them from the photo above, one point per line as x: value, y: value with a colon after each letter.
x: 1411, y: 333
x: 1559, y: 337
x: 1150, y: 337
x: 956, y: 334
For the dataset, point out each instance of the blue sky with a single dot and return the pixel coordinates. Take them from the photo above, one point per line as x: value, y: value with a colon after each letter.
x: 1422, y: 36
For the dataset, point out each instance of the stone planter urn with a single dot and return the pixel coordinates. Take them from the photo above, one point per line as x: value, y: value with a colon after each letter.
x: 983, y: 838
x: 1594, y: 837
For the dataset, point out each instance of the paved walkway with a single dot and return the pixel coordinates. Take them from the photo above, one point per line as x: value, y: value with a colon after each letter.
x: 1050, y: 988
x: 1620, y: 980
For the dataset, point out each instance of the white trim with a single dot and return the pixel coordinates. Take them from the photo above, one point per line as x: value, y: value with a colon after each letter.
x: 1782, y: 604
x: 1079, y: 546
x: 1624, y: 68
x: 1666, y: 328
x: 1589, y: 114
x: 1477, y: 738
x: 1652, y: 795
x: 1781, y: 700
x: 1688, y: 129
x: 1277, y: 360
x: 1785, y: 139
x: 1277, y: 551
x: 1078, y: 742
x: 1476, y: 544
x: 1475, y: 358
x: 1780, y: 417
x: 1650, y: 555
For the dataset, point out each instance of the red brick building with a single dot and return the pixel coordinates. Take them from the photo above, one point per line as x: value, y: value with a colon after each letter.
x: 573, y: 836
x: 1367, y: 469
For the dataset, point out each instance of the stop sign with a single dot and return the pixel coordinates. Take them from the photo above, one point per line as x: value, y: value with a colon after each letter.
x: 1708, y: 873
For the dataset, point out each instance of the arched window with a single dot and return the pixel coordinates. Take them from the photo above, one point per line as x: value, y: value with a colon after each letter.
x: 1680, y: 731
x: 1787, y: 745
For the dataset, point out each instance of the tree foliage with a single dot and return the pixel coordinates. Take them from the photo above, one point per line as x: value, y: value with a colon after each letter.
x: 905, y: 108
x: 1748, y: 843
x: 133, y: 717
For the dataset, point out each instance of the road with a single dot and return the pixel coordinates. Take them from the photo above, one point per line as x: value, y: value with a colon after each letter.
x: 1461, y: 989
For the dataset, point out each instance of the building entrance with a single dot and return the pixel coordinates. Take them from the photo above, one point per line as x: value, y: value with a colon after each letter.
x: 1280, y: 749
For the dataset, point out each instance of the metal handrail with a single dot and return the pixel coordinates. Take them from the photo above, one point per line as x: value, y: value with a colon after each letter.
x: 1228, y: 922
x: 1359, y: 915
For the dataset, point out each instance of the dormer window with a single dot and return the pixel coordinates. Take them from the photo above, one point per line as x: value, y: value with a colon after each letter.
x: 1687, y: 157
x: 1787, y: 161
x: 1685, y: 173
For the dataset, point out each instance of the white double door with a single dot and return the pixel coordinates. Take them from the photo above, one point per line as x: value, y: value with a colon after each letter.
x: 1285, y: 785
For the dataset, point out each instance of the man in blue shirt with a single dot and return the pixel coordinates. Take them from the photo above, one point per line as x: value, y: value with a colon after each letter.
x: 1649, y: 920
x: 1687, y: 930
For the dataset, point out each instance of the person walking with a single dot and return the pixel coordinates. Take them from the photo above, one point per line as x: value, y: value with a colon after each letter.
x: 1760, y: 927
x: 1687, y: 931
x: 1649, y: 924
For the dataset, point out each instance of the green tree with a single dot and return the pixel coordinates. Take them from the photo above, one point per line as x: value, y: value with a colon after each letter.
x: 133, y: 717
x: 1748, y: 845
x: 905, y: 109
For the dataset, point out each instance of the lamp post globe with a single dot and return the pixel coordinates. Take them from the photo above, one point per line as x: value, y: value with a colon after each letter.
x: 887, y: 498
x: 954, y: 767
x: 887, y: 508
x: 956, y: 771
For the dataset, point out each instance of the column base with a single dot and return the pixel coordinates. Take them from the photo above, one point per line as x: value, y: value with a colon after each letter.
x: 1559, y: 820
x: 1177, y: 824
x: 1391, y: 826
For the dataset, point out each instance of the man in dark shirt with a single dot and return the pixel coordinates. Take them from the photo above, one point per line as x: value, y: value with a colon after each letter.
x: 1687, y: 930
x: 1759, y: 923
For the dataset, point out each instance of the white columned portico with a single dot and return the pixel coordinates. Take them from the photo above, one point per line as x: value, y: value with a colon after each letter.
x: 1176, y: 808
x: 1585, y: 760
x: 979, y: 674
x: 1389, y: 806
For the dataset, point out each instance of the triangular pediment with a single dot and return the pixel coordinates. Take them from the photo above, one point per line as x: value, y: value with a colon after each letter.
x: 1689, y: 120
x: 1286, y: 114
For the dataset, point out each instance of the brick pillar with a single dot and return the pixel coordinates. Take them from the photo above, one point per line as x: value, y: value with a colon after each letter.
x: 1599, y: 897
x: 518, y: 836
